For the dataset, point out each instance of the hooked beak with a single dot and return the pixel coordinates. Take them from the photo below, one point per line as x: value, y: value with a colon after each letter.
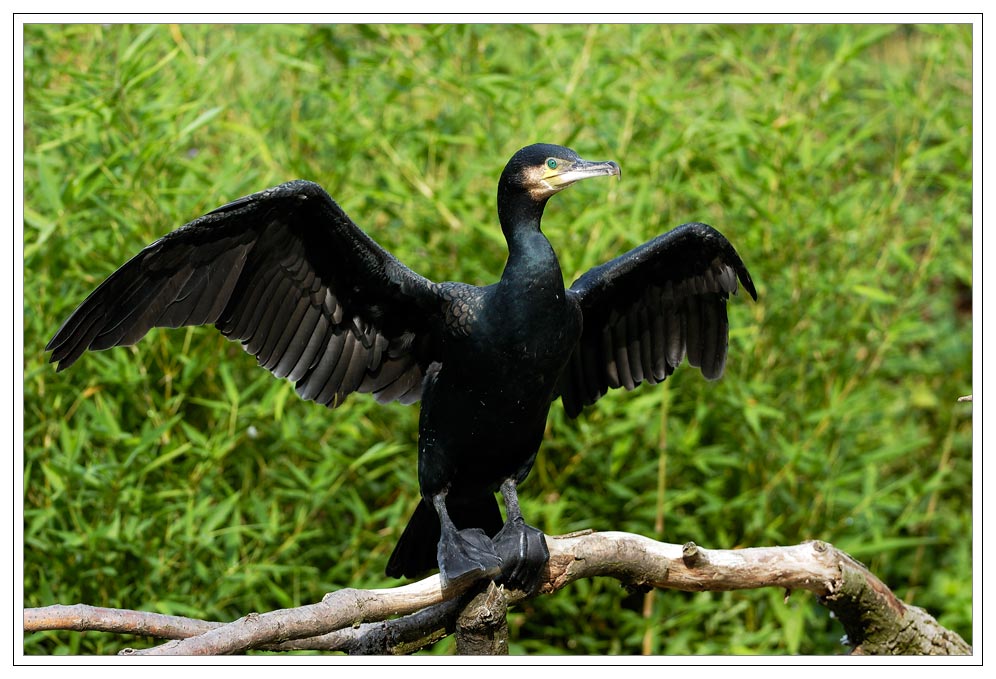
x: 582, y: 169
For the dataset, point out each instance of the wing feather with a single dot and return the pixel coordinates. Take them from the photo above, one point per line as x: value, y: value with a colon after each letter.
x: 645, y: 311
x: 288, y: 275
x: 287, y: 328
x: 310, y: 335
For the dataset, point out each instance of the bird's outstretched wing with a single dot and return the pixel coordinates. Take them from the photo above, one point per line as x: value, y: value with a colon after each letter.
x: 291, y: 277
x: 647, y: 309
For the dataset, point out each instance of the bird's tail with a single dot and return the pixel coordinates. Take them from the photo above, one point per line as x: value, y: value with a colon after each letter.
x: 415, y: 553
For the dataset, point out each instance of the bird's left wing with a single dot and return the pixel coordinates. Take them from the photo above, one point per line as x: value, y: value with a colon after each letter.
x: 647, y: 309
x: 290, y: 276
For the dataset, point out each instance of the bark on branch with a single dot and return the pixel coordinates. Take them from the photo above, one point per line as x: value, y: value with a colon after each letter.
x: 366, y: 621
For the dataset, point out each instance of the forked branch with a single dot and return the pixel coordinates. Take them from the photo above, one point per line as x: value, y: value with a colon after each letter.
x: 367, y: 621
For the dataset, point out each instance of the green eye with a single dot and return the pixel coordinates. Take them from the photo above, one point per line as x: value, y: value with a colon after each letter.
x: 551, y: 163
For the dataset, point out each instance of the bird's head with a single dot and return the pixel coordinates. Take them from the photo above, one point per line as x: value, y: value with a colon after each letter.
x: 537, y: 172
x: 541, y: 170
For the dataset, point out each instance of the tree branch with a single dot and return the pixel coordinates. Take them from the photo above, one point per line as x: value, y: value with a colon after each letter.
x: 364, y: 621
x: 482, y: 627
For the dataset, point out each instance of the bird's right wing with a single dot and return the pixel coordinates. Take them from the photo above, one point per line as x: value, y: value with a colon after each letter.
x: 644, y: 311
x: 290, y: 276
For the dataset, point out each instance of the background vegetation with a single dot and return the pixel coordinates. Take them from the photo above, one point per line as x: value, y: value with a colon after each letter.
x: 176, y: 476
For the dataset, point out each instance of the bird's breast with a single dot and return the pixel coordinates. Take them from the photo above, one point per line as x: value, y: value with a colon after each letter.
x: 538, y: 329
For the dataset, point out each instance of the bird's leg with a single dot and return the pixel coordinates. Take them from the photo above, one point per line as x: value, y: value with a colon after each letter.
x: 462, y: 555
x: 522, y: 548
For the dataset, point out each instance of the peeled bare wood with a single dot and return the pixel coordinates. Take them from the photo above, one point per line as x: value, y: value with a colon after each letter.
x: 337, y: 610
x: 875, y: 620
x: 364, y: 621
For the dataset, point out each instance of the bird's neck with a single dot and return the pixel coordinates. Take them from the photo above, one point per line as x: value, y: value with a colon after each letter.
x: 531, y: 260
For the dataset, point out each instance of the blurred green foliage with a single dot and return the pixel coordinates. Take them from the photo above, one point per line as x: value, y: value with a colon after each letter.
x: 176, y: 476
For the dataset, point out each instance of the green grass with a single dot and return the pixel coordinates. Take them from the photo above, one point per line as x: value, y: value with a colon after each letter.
x: 176, y: 476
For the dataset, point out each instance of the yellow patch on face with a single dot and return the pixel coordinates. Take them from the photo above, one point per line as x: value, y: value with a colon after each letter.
x: 541, y: 181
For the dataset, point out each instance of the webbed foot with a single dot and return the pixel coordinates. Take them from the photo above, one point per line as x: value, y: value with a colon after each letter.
x: 466, y: 556
x: 523, y: 553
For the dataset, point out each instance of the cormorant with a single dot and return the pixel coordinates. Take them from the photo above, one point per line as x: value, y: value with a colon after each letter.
x: 317, y: 301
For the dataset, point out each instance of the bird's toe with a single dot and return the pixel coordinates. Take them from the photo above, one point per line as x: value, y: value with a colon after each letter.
x: 467, y: 556
x: 523, y: 553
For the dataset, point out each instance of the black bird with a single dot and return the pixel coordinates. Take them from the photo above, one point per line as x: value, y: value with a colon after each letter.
x: 290, y: 276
